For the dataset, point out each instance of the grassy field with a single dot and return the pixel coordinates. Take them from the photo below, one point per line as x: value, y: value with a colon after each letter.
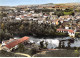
x: 53, y: 53
x: 59, y: 53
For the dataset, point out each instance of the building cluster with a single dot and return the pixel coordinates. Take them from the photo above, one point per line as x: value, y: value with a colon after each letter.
x: 68, y: 23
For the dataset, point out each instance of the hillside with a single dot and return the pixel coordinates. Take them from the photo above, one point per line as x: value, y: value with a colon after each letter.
x: 71, y: 4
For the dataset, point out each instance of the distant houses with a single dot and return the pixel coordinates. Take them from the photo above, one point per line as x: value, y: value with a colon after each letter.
x: 41, y: 15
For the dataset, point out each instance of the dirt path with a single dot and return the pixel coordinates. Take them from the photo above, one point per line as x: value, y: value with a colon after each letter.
x: 43, y: 53
x: 27, y: 55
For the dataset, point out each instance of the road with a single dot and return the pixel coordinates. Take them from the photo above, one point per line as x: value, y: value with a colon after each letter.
x: 27, y: 55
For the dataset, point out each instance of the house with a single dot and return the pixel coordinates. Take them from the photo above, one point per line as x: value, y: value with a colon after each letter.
x: 8, y: 45
x: 74, y: 22
x: 55, y: 22
x: 40, y: 20
x: 70, y: 32
x: 61, y: 21
x: 17, y: 18
x: 35, y: 15
x: 77, y: 17
x: 32, y: 11
x: 21, y: 16
x: 66, y: 27
x: 66, y: 17
x: 45, y: 16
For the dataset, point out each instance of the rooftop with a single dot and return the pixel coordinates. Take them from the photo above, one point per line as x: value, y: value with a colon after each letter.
x: 16, y: 42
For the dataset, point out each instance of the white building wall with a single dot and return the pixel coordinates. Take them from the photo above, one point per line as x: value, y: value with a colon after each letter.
x: 3, y: 44
x: 66, y: 27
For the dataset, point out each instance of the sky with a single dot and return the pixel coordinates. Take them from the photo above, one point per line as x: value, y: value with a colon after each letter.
x: 30, y: 2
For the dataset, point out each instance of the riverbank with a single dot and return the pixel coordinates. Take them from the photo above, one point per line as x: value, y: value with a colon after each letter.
x: 58, y: 53
x: 50, y: 53
x: 33, y: 49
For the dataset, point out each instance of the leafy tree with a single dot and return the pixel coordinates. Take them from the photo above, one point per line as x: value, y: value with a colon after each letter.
x: 68, y: 10
x: 69, y: 13
x: 59, y: 13
x: 21, y: 27
x: 3, y: 15
x: 41, y: 44
x: 46, y: 43
x: 1, y: 35
x: 76, y: 52
x: 2, y: 26
x: 21, y: 48
x: 33, y: 51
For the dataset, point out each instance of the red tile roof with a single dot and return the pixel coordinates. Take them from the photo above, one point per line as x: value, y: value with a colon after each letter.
x: 16, y: 42
x: 70, y: 31
x: 8, y: 41
x: 62, y: 29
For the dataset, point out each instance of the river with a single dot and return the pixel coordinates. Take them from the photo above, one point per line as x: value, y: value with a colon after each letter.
x: 54, y: 42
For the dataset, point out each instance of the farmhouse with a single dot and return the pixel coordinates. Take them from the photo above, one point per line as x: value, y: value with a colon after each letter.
x: 8, y: 45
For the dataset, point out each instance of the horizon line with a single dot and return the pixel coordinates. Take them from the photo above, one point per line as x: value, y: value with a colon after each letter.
x: 38, y: 4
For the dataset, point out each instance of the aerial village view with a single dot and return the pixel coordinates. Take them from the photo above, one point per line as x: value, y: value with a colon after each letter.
x: 39, y: 28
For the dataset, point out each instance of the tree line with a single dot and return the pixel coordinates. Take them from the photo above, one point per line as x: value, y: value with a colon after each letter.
x: 21, y: 28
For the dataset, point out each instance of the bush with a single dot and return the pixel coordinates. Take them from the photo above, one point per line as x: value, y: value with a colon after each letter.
x: 68, y: 13
x: 33, y: 51
x: 21, y: 48
x: 76, y: 53
x: 61, y: 34
x: 59, y: 13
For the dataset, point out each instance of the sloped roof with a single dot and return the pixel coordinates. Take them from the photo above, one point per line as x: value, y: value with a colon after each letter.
x: 62, y: 29
x: 8, y: 41
x: 16, y: 42
x: 70, y: 30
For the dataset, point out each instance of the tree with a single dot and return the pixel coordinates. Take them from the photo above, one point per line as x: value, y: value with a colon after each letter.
x: 2, y: 26
x: 21, y: 27
x: 33, y: 51
x: 21, y: 48
x: 76, y: 52
x: 3, y: 15
x: 68, y: 10
x: 41, y: 44
x: 69, y: 13
x: 1, y: 35
x: 46, y: 43
x: 59, y: 13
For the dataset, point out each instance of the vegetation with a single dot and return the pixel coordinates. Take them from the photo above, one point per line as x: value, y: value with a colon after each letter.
x: 21, y: 48
x: 77, y: 35
x: 76, y: 53
x: 3, y: 15
x: 33, y: 51
x: 22, y: 29
x: 58, y: 53
x: 8, y: 54
x: 77, y: 10
x: 43, y: 10
x: 68, y: 13
x: 59, y: 12
x: 60, y: 34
